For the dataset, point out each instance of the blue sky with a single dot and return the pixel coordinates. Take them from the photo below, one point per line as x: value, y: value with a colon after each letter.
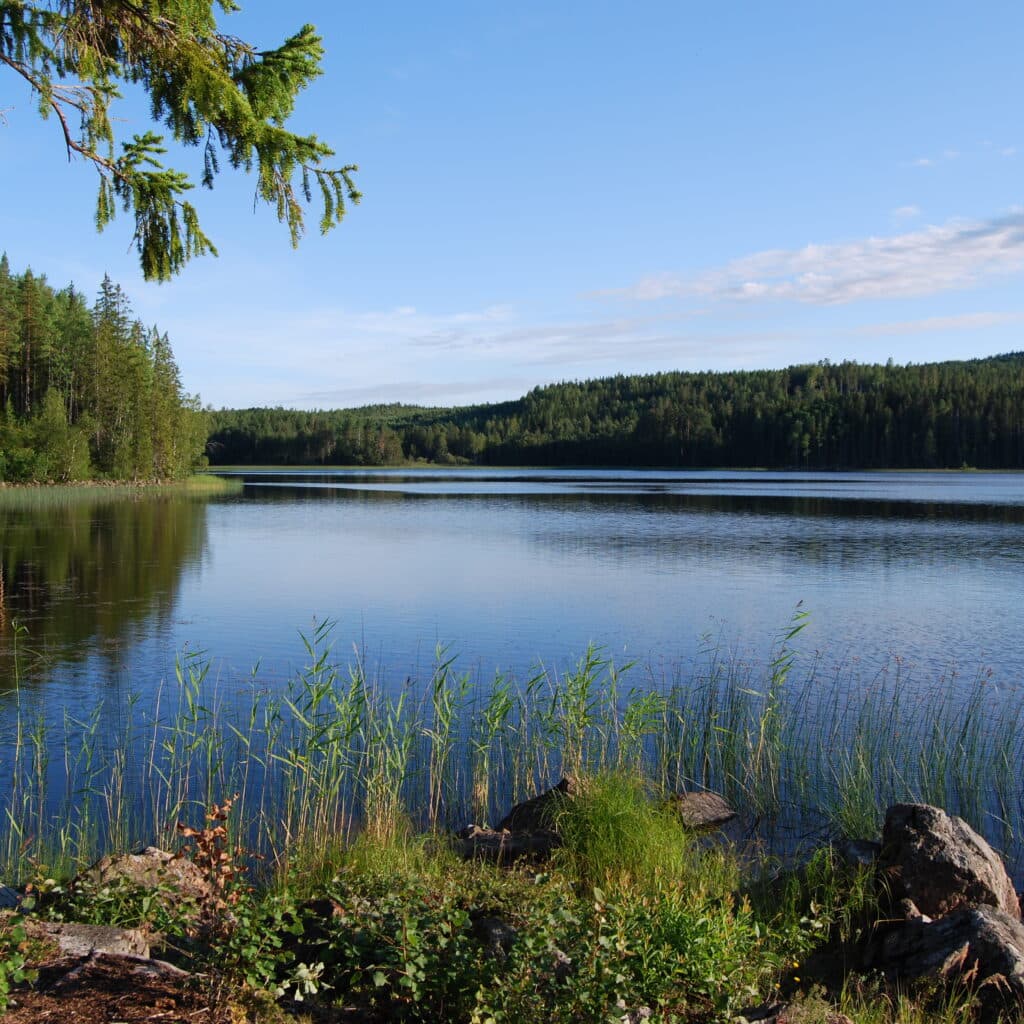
x: 564, y: 190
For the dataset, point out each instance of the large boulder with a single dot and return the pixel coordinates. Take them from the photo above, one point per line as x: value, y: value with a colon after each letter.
x: 980, y: 944
x: 939, y: 863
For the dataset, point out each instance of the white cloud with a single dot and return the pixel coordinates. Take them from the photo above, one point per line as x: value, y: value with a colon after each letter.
x: 340, y: 357
x: 906, y: 212
x: 934, y: 324
x: 931, y: 161
x: 414, y: 392
x: 926, y: 262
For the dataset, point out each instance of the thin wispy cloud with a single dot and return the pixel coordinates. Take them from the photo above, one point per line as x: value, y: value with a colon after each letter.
x: 906, y: 212
x: 931, y: 161
x: 935, y: 324
x: 407, y: 354
x: 925, y: 262
x: 414, y: 391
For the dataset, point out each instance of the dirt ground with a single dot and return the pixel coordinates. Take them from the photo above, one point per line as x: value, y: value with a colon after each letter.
x: 106, y: 989
x: 111, y: 990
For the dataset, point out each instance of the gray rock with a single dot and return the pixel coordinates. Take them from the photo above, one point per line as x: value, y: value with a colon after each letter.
x: 538, y: 813
x: 979, y: 944
x: 502, y: 847
x: 82, y: 940
x: 939, y: 863
x: 702, y: 810
x: 155, y: 869
x: 859, y: 853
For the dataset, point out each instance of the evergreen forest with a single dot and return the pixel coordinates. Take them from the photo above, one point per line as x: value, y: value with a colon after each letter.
x: 88, y: 392
x: 823, y: 416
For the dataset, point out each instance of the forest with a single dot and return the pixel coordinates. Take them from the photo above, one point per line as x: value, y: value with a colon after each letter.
x: 88, y: 392
x: 847, y: 415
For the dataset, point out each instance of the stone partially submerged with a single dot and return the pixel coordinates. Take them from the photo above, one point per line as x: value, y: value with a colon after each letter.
x: 701, y: 810
x: 540, y: 812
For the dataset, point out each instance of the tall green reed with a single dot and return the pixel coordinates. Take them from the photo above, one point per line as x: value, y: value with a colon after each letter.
x: 332, y: 752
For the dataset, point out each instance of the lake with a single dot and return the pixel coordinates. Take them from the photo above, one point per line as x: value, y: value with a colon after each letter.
x: 510, y: 569
x: 917, y: 575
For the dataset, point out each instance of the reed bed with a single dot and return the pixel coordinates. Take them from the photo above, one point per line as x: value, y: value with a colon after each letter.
x: 43, y: 497
x: 803, y: 752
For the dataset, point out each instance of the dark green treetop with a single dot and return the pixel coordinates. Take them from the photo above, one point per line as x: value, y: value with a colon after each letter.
x: 207, y: 88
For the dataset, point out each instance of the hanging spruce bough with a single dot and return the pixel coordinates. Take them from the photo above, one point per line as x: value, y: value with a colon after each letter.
x: 208, y: 89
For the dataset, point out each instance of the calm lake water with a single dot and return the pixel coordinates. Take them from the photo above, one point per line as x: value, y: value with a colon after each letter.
x: 511, y: 569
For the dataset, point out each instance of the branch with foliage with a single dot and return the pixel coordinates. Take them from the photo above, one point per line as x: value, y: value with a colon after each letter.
x: 208, y: 89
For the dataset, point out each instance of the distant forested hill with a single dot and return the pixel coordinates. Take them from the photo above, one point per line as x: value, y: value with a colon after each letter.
x: 821, y: 416
x: 86, y: 391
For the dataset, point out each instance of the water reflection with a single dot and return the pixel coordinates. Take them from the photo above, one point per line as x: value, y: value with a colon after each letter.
x: 653, y: 525
x: 87, y: 576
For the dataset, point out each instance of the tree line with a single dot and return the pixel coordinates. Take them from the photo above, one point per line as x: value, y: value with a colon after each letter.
x: 88, y: 392
x: 820, y: 416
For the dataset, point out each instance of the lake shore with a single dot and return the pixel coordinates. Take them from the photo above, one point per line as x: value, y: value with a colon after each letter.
x: 321, y: 823
x: 631, y: 917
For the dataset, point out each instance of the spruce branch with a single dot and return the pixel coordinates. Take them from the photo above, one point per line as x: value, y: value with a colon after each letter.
x: 206, y: 87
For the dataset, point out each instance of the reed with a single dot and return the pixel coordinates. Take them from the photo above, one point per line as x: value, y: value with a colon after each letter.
x: 799, y: 750
x: 43, y: 497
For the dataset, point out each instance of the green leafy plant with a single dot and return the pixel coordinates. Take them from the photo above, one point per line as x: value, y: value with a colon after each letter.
x: 14, y: 967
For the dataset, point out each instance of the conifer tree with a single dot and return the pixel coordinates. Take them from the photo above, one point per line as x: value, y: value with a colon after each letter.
x: 209, y: 89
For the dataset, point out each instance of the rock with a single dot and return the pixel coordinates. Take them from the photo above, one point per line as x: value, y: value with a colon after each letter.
x: 939, y: 863
x: 156, y: 869
x: 496, y: 936
x: 769, y: 1012
x: 563, y: 967
x: 82, y: 940
x: 701, y: 810
x: 783, y: 1013
x: 858, y: 853
x: 976, y: 944
x: 539, y: 813
x: 912, y: 912
x: 504, y: 847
